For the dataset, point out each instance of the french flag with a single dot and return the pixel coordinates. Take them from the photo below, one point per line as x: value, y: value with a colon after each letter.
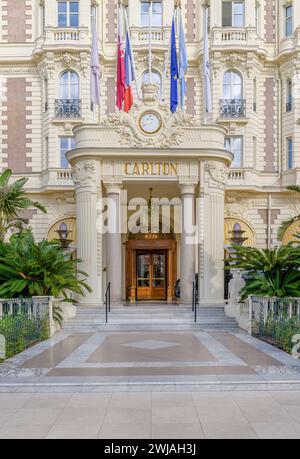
x: 129, y: 74
x: 121, y: 84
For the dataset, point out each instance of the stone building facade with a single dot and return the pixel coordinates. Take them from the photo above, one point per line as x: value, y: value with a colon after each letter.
x: 234, y: 164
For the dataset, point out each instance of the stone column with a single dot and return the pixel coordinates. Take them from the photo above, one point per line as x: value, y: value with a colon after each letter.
x: 214, y: 175
x: 187, y: 255
x: 89, y: 243
x: 114, y: 241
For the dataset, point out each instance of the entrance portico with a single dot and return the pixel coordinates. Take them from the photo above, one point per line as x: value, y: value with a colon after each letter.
x: 183, y: 160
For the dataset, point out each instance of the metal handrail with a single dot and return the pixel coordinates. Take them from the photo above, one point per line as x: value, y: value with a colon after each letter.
x: 195, y: 301
x: 107, y: 301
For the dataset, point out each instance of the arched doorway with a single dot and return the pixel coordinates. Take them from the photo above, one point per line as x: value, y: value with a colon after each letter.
x: 151, y: 267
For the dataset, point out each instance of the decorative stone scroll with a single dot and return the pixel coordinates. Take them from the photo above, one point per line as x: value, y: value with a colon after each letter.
x: 83, y: 172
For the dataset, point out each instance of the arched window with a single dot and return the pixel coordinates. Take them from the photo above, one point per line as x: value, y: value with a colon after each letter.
x: 155, y: 79
x: 233, y: 105
x: 232, y: 85
x: 69, y: 85
x: 68, y: 104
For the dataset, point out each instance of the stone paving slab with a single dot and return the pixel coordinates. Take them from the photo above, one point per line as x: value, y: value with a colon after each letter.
x: 146, y: 415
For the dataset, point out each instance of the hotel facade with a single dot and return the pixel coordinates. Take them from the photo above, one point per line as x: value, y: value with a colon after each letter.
x: 219, y: 169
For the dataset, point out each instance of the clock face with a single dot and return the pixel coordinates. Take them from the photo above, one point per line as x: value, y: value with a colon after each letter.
x: 150, y: 123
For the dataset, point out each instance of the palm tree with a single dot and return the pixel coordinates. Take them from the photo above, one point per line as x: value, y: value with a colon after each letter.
x: 31, y: 269
x: 13, y: 200
x: 270, y: 272
x: 286, y: 224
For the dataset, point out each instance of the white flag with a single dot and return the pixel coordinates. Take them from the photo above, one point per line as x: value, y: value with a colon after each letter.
x: 95, y: 68
x: 206, y: 68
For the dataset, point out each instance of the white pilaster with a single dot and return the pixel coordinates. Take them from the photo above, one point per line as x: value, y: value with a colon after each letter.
x: 187, y: 254
x: 114, y: 241
x: 89, y: 242
x: 211, y: 224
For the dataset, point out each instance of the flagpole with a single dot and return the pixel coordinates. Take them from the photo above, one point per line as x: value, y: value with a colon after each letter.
x: 94, y: 25
x: 132, y: 55
x: 150, y: 41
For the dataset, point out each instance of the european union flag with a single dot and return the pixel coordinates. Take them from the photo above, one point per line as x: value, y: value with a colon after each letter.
x: 174, y: 70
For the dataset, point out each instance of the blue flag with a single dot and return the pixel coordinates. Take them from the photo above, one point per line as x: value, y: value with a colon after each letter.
x: 183, y: 63
x: 174, y: 70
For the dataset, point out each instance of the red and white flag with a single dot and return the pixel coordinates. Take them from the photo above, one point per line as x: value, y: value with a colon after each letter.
x: 121, y: 74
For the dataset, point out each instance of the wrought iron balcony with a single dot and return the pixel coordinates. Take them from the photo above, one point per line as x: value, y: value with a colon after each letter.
x: 233, y: 108
x: 68, y: 108
x: 289, y: 106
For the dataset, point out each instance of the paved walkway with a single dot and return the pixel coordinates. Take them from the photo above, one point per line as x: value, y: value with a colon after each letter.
x: 150, y: 361
x: 147, y: 415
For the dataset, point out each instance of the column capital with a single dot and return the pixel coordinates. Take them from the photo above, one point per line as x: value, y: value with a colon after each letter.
x: 84, y: 173
x: 113, y: 187
x: 187, y: 188
x: 216, y: 174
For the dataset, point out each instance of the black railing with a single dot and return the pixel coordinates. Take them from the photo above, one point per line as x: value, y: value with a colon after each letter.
x: 68, y: 108
x: 233, y: 108
x: 289, y: 106
x: 107, y: 302
x: 195, y: 300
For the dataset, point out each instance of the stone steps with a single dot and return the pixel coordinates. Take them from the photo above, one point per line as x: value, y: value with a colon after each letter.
x: 150, y: 317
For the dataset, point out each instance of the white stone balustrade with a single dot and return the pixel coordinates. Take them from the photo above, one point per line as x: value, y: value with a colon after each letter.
x: 235, y: 37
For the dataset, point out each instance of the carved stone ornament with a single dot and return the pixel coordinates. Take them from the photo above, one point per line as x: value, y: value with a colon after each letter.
x: 171, y: 132
x: 218, y: 172
x: 83, y: 172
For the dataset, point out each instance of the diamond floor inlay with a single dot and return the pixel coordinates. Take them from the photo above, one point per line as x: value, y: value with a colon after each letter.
x: 151, y: 345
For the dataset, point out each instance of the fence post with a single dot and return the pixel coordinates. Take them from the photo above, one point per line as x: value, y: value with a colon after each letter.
x: 1, y: 309
x: 52, y: 327
x: 250, y: 314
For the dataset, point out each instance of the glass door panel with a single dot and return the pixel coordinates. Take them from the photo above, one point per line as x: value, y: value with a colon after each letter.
x: 151, y: 276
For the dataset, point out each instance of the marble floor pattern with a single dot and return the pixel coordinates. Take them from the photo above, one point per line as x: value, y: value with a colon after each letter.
x: 184, y: 415
x: 150, y: 361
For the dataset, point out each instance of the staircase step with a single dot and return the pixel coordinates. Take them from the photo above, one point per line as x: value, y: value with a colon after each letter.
x: 147, y: 316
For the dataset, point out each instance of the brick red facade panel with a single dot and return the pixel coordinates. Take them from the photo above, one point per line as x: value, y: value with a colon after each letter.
x: 111, y: 17
x: 17, y: 111
x: 190, y: 20
x: 110, y: 95
x: 190, y: 96
x: 16, y: 13
x: 270, y: 21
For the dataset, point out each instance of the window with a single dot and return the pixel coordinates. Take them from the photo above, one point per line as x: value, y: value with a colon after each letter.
x: 66, y: 144
x: 69, y: 85
x: 235, y: 145
x: 69, y: 104
x: 254, y: 95
x: 288, y: 20
x: 289, y: 96
x: 46, y: 94
x: 257, y: 18
x: 156, y: 79
x: 290, y: 155
x: 156, y: 13
x: 233, y: 13
x: 232, y: 85
x: 68, y: 14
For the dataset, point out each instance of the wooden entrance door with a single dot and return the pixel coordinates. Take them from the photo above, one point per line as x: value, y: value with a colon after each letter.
x: 151, y: 276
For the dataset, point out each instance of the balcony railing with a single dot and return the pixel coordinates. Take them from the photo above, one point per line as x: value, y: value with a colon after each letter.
x: 63, y: 38
x: 68, y: 108
x: 233, y: 108
x: 160, y: 36
x: 232, y: 37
